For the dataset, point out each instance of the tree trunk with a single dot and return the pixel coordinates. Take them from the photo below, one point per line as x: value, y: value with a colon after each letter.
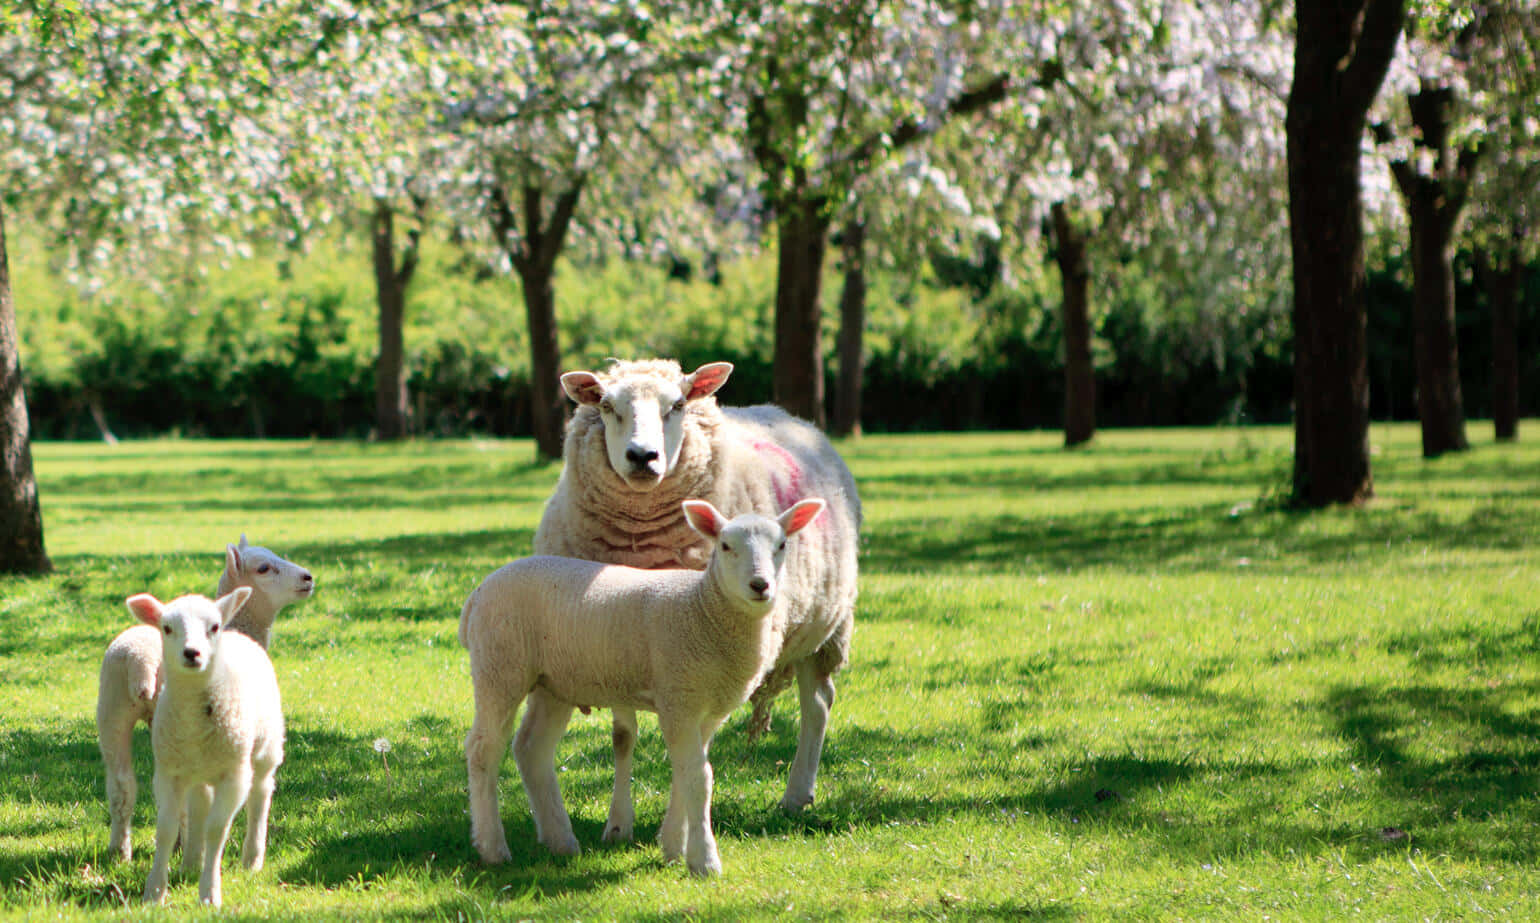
x: 391, y: 404
x: 548, y: 405
x: 1440, y: 405
x: 21, y: 515
x: 1079, y: 372
x: 798, y: 376
x: 847, y: 396
x: 1433, y: 206
x: 1342, y: 51
x: 534, y: 259
x: 1501, y: 278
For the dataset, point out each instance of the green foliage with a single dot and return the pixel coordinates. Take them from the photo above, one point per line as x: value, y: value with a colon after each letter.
x: 1100, y: 684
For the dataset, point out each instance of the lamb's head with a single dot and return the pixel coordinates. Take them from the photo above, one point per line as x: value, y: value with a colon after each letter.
x: 279, y: 582
x: 642, y: 406
x: 750, y: 550
x: 190, y: 626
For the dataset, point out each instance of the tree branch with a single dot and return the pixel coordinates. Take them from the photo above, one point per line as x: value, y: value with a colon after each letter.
x: 1370, y: 53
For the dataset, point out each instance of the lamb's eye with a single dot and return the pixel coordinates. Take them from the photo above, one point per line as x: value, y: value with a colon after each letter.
x: 606, y: 407
x: 781, y: 546
x: 262, y: 569
x: 168, y: 629
x: 213, y: 629
x: 726, y: 547
x: 678, y: 406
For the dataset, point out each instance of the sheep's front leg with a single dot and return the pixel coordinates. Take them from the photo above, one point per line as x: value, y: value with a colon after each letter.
x: 115, y: 731
x: 815, y: 694
x: 622, y: 819
x: 258, y: 805
x: 689, y: 804
x: 229, y: 795
x: 485, y: 747
x: 534, y: 749
x: 169, y: 797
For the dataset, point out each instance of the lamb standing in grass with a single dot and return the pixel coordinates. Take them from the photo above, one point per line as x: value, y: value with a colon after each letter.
x: 645, y: 437
x: 130, y: 674
x: 687, y: 644
x: 218, y: 737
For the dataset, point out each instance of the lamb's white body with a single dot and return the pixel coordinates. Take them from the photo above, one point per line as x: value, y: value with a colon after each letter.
x: 218, y: 737
x: 689, y: 645
x: 130, y: 676
x: 645, y: 437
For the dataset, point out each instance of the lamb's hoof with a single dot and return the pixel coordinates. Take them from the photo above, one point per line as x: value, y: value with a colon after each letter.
x: 617, y: 833
x: 494, y: 853
x: 124, y: 853
x: 563, y: 846
x: 711, y: 868
x: 793, y: 804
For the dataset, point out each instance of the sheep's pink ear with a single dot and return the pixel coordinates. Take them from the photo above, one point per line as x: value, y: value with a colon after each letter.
x: 231, y: 603
x: 707, y: 379
x: 583, y: 387
x: 146, y: 608
x: 796, y: 518
x: 233, y: 558
x: 704, y: 518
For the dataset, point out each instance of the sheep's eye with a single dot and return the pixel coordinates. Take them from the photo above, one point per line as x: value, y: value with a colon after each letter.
x: 781, y: 546
x: 726, y: 547
x: 168, y: 629
x: 606, y: 407
x: 678, y: 406
x: 263, y: 569
x: 213, y: 629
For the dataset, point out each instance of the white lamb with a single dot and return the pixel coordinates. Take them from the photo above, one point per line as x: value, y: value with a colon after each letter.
x: 646, y: 436
x: 689, y: 645
x: 218, y: 737
x: 130, y: 674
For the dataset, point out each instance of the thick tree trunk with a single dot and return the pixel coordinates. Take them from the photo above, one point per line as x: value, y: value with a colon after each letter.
x: 798, y: 377
x: 847, y: 395
x: 548, y: 406
x: 1501, y: 279
x: 21, y: 515
x: 1440, y: 405
x: 391, y: 404
x: 1079, y: 372
x: 1342, y: 51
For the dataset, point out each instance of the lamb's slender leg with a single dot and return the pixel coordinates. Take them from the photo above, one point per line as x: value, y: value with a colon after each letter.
x: 485, y: 746
x: 815, y: 694
x: 690, y: 801
x: 258, y: 804
x: 168, y: 818
x: 534, y: 750
x: 115, y: 732
x: 197, y: 802
x: 229, y: 795
x: 618, y: 828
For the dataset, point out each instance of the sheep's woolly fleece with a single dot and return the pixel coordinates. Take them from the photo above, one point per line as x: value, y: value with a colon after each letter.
x: 740, y: 459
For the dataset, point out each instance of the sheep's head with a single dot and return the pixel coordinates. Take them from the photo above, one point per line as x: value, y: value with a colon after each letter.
x: 750, y: 550
x: 280, y: 582
x: 643, y: 407
x: 190, y: 626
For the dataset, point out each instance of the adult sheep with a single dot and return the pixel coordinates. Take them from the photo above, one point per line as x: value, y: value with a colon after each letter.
x: 646, y: 437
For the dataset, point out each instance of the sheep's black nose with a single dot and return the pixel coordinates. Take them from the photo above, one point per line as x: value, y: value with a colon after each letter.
x: 641, y: 456
x: 190, y: 655
x: 759, y: 585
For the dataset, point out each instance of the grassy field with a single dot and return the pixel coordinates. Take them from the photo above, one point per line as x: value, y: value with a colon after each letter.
x: 1117, y: 682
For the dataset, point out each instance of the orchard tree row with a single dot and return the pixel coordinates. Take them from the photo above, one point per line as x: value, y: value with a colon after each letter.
x: 1229, y: 142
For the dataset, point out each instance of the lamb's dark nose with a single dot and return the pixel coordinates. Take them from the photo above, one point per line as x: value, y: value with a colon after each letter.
x: 641, y: 457
x: 759, y: 585
x: 190, y: 655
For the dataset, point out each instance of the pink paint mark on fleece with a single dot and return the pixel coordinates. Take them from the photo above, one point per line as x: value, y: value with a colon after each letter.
x: 786, y: 477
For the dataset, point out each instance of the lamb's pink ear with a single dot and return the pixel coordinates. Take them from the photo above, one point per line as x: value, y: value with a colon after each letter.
x: 233, y: 558
x: 583, y: 387
x: 796, y: 518
x: 707, y: 379
x: 704, y: 518
x: 146, y: 608
x: 231, y: 603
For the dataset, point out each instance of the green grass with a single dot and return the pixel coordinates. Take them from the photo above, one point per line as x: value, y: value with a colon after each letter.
x: 1115, y: 682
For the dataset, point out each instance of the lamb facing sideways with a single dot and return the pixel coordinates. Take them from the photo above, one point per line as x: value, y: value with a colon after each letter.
x: 645, y: 437
x: 690, y: 645
x: 130, y: 675
x: 218, y: 737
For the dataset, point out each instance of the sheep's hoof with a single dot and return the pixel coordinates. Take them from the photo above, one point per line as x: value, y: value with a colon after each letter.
x: 793, y: 804
x: 617, y: 833
x: 566, y: 846
x: 495, y: 853
x: 711, y: 868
